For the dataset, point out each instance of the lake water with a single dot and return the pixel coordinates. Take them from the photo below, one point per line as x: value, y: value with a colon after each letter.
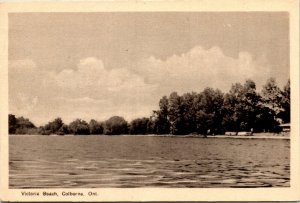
x: 127, y: 161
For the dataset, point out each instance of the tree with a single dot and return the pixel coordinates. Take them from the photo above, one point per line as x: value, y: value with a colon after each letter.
x: 265, y: 119
x: 232, y: 108
x: 24, y: 126
x: 139, y: 126
x: 116, y: 125
x: 79, y: 127
x: 251, y: 101
x: 189, y: 104
x: 175, y: 114
x: 209, y: 110
x: 96, y: 128
x: 43, y: 131
x: 12, y: 124
x: 24, y: 123
x: 272, y: 97
x: 63, y: 130
x: 241, y: 107
x: 54, y: 126
x: 160, y: 119
x: 151, y: 125
x: 204, y: 121
x: 285, y: 114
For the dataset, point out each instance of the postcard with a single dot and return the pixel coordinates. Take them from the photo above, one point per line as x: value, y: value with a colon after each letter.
x: 150, y: 101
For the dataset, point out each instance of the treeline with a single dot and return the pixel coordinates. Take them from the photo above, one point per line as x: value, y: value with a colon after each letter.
x: 207, y: 112
x: 114, y: 126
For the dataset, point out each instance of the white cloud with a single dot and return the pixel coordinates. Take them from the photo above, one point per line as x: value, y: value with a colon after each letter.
x: 200, y: 68
x: 91, y: 73
x: 85, y: 100
x: 89, y: 90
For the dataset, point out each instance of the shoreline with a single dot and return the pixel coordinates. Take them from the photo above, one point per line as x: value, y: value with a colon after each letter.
x: 282, y: 137
x: 255, y: 136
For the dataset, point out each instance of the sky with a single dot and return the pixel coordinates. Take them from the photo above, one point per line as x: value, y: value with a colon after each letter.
x: 98, y: 65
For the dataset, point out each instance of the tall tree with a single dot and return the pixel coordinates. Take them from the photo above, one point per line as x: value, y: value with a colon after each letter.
x: 189, y: 101
x: 272, y: 96
x: 251, y: 102
x: 241, y: 107
x: 175, y: 113
x: 211, y: 104
x: 285, y: 114
x: 232, y: 108
x: 160, y: 120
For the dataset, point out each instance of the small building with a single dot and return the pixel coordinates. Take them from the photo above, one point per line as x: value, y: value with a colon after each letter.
x: 244, y: 133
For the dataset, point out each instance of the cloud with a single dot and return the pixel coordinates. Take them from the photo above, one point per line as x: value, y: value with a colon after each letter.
x: 87, y: 91
x: 200, y: 68
x: 90, y: 90
x: 91, y: 73
x: 85, y: 100
x: 24, y: 82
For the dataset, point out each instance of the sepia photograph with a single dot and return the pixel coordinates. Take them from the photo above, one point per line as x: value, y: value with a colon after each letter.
x: 148, y: 99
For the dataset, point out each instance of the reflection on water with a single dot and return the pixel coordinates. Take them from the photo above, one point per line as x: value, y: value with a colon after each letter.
x: 120, y: 161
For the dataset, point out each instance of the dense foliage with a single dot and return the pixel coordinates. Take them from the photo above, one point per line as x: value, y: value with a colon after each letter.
x: 139, y: 126
x: 96, y: 128
x: 54, y: 127
x: 207, y: 112
x: 79, y: 127
x: 116, y: 126
x: 20, y: 125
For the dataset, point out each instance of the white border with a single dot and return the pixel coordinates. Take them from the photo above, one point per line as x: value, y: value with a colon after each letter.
x: 157, y: 194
